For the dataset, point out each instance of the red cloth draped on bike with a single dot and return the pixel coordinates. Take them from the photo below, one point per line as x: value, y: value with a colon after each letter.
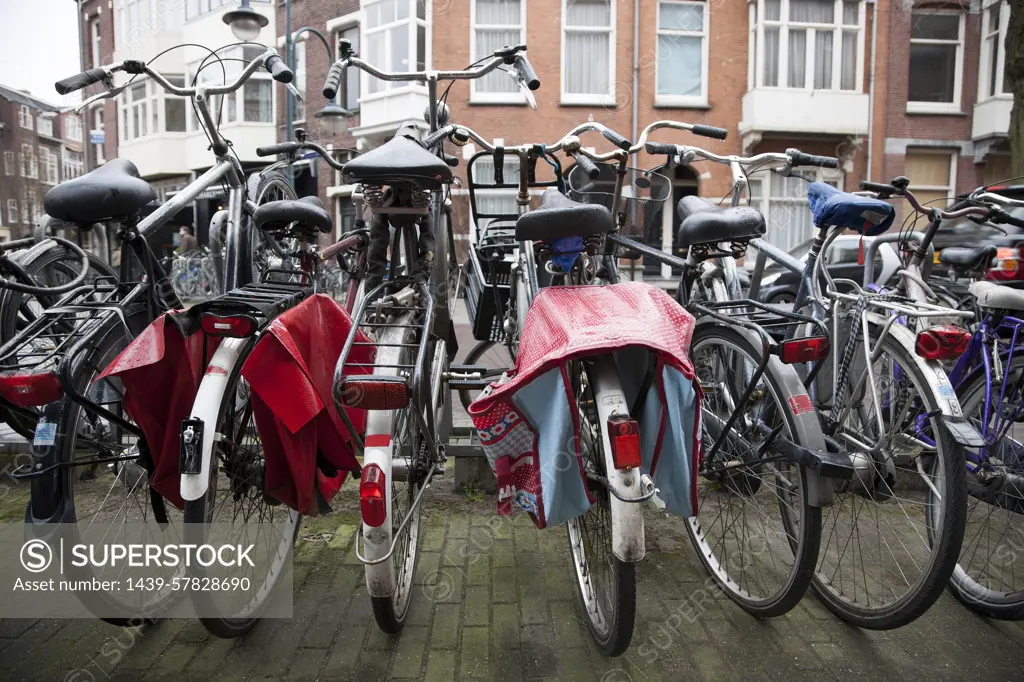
x: 529, y: 426
x: 290, y: 372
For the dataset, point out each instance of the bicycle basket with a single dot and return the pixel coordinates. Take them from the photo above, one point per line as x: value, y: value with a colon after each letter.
x: 643, y: 197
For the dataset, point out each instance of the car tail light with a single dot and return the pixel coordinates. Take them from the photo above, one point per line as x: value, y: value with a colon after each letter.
x: 373, y: 500
x: 1009, y: 264
x: 809, y: 349
x: 375, y: 392
x: 942, y: 343
x: 235, y: 326
x: 30, y: 389
x: 624, y: 434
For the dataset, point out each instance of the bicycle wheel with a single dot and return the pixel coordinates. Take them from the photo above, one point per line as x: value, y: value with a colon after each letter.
x: 235, y: 500
x: 111, y: 499
x: 490, y: 354
x: 262, y: 188
x: 755, y: 530
x: 987, y: 578
x: 606, y: 585
x: 891, y: 539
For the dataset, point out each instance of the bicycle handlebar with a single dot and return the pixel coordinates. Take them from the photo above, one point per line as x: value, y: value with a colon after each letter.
x: 337, y: 70
x: 586, y: 165
x: 47, y: 291
x: 798, y: 158
x: 526, y: 72
x: 290, y: 148
x: 80, y: 80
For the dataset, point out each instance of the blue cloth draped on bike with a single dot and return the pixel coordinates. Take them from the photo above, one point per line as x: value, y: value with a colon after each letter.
x: 833, y: 207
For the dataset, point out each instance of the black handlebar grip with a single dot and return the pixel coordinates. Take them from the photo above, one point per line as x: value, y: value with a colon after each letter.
x: 525, y: 69
x: 278, y: 69
x: 452, y: 161
x: 333, y: 80
x: 1001, y: 216
x: 275, y: 149
x: 879, y: 187
x: 800, y: 159
x: 661, y: 148
x: 710, y: 131
x: 587, y: 165
x: 616, y: 139
x: 80, y: 80
x: 433, y: 138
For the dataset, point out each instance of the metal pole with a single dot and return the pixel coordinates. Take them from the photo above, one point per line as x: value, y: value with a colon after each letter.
x: 289, y: 58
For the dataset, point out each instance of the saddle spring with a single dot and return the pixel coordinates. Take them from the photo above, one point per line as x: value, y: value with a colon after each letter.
x: 702, y: 252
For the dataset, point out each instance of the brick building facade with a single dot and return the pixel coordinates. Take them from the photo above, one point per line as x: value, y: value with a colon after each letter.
x: 41, y: 146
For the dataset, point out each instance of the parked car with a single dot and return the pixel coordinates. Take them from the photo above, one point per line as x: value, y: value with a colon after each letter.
x: 842, y: 262
x: 1008, y: 266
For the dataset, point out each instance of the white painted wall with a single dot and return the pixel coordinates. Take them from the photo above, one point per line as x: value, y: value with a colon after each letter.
x: 805, y: 111
x: 992, y: 117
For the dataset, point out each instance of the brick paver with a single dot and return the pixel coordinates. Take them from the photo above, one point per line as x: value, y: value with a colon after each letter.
x: 495, y: 599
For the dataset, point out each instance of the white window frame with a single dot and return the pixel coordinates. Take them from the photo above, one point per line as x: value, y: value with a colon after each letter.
x: 390, y: 88
x: 99, y: 151
x: 756, y: 51
x: 9, y: 167
x: 984, y: 76
x: 30, y: 166
x: 684, y: 100
x: 476, y: 96
x: 958, y: 71
x: 300, y: 73
x: 95, y: 41
x: 763, y: 203
x: 71, y: 167
x: 954, y: 159
x: 49, y: 166
x: 44, y: 125
x: 12, y: 211
x: 25, y: 117
x: 603, y: 99
x: 73, y: 127
x: 26, y: 207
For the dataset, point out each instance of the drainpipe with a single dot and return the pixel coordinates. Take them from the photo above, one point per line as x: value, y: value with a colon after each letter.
x: 871, y: 86
x: 636, y: 65
x: 289, y: 56
x: 81, y: 59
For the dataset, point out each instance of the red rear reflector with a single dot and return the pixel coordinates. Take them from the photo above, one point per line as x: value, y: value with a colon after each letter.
x: 809, y: 349
x: 942, y: 343
x: 235, y: 326
x: 31, y: 388
x: 374, y: 393
x: 624, y: 434
x: 373, y: 501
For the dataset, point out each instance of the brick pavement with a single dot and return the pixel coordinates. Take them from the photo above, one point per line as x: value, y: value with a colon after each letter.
x: 495, y: 600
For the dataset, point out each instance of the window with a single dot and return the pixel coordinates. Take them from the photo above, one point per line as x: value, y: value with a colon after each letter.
x: 36, y: 211
x: 73, y: 128
x: 174, y: 107
x: 931, y: 176
x: 44, y: 125
x: 95, y: 44
x: 348, y: 93
x: 495, y: 24
x: 136, y: 124
x: 299, y: 114
x: 785, y: 206
x: 256, y: 99
x: 72, y: 164
x: 30, y: 169
x: 588, y: 56
x: 808, y: 44
x: 97, y: 130
x: 26, y: 208
x: 12, y: 211
x: 992, y: 80
x: 395, y: 31
x: 936, y: 61
x: 48, y: 162
x: 25, y: 117
x: 258, y: 103
x: 8, y: 163
x: 682, y: 52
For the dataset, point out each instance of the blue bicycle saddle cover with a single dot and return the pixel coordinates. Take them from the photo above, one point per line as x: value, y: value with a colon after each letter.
x: 833, y: 207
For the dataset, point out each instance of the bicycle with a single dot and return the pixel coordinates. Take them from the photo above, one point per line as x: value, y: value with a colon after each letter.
x: 765, y: 472
x: 878, y: 401
x: 83, y: 420
x: 988, y: 376
x: 403, y: 316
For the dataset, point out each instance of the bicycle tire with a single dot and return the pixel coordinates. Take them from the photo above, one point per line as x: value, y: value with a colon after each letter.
x: 944, y: 530
x: 262, y: 187
x: 88, y: 367
x: 965, y: 585
x: 618, y: 609
x: 239, y: 439
x: 800, y: 540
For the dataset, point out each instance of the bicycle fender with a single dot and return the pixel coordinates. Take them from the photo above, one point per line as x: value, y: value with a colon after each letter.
x: 206, y: 408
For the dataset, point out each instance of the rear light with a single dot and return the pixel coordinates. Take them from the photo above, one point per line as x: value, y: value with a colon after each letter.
x: 942, y: 343
x: 31, y: 388
x: 624, y: 434
x: 809, y: 349
x: 373, y: 500
x: 235, y: 326
x: 1008, y: 265
x: 374, y: 392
